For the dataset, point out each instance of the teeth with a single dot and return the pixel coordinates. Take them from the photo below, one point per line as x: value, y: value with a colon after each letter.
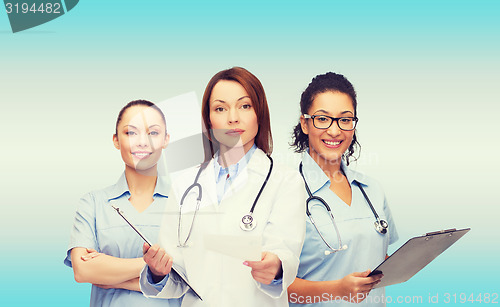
x: 331, y: 143
x: 141, y: 155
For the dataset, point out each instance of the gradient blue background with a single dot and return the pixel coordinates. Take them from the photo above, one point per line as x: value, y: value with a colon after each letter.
x: 426, y: 72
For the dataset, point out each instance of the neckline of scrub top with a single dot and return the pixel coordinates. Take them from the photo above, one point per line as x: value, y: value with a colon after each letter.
x: 121, y: 187
x: 316, y: 177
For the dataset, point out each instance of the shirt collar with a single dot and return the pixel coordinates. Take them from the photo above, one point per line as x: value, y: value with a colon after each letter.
x: 162, y: 186
x: 316, y: 178
x: 353, y: 175
x: 232, y: 170
x: 121, y: 187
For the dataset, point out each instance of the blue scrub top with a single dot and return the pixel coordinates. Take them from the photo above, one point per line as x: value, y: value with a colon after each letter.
x: 97, y: 225
x: 366, y: 247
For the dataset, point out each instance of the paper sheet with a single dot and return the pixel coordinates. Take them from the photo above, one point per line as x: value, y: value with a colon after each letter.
x: 241, y: 247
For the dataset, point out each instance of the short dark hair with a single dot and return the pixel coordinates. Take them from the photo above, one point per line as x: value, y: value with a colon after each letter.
x: 329, y: 82
x: 139, y: 102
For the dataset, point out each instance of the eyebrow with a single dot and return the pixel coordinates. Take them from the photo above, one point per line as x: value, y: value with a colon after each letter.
x: 241, y: 98
x: 132, y: 126
x: 326, y: 112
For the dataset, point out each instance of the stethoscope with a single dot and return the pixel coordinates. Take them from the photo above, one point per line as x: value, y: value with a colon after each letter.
x: 380, y: 225
x: 248, y: 222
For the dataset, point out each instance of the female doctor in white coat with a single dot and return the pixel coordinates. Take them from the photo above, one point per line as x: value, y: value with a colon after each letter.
x: 232, y: 181
x: 338, y: 252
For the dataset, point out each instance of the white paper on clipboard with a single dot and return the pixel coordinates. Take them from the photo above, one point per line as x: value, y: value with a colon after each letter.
x: 241, y: 247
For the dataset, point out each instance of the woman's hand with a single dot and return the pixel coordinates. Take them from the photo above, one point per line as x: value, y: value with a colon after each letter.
x: 158, y: 261
x: 356, y: 286
x: 101, y: 269
x: 266, y: 270
x: 91, y: 253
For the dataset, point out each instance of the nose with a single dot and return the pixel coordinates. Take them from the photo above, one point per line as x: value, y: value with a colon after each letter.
x: 334, y: 129
x: 144, y: 140
x: 233, y: 116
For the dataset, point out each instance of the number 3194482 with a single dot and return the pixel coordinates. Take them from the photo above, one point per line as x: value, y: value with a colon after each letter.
x: 25, y: 8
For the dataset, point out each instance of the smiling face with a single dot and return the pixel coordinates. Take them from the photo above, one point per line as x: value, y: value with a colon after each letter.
x: 141, y: 136
x: 232, y: 116
x: 326, y: 146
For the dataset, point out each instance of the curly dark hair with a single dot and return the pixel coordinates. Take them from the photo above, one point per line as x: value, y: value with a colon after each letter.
x: 329, y: 82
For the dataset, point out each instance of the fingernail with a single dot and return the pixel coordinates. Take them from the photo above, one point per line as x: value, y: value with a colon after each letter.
x: 245, y: 263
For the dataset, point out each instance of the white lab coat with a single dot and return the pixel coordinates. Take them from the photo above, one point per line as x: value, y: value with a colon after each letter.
x: 222, y: 280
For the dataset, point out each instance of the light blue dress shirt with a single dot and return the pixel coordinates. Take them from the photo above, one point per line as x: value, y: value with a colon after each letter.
x: 222, y: 180
x: 366, y: 247
x: 97, y: 225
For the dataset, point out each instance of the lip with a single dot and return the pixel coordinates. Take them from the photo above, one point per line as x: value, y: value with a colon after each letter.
x: 332, y: 143
x: 141, y: 154
x: 235, y: 132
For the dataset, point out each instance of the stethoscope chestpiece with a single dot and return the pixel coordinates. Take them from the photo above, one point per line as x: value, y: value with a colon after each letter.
x: 342, y: 248
x: 381, y: 226
x: 248, y: 223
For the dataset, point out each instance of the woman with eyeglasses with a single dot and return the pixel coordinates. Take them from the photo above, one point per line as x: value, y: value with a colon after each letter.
x: 350, y: 225
x: 242, y: 196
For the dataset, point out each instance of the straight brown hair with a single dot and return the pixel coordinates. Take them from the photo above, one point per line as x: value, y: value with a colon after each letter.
x: 253, y: 87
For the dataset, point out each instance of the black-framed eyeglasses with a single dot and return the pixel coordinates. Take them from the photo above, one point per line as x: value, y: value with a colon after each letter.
x: 325, y: 121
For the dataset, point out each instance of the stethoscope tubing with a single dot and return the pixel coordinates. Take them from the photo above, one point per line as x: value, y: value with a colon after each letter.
x: 380, y: 225
x: 195, y: 184
x: 369, y: 202
x: 245, y: 225
x: 263, y: 185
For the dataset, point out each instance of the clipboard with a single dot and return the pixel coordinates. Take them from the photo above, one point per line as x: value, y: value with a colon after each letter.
x: 175, y: 269
x: 414, y: 255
